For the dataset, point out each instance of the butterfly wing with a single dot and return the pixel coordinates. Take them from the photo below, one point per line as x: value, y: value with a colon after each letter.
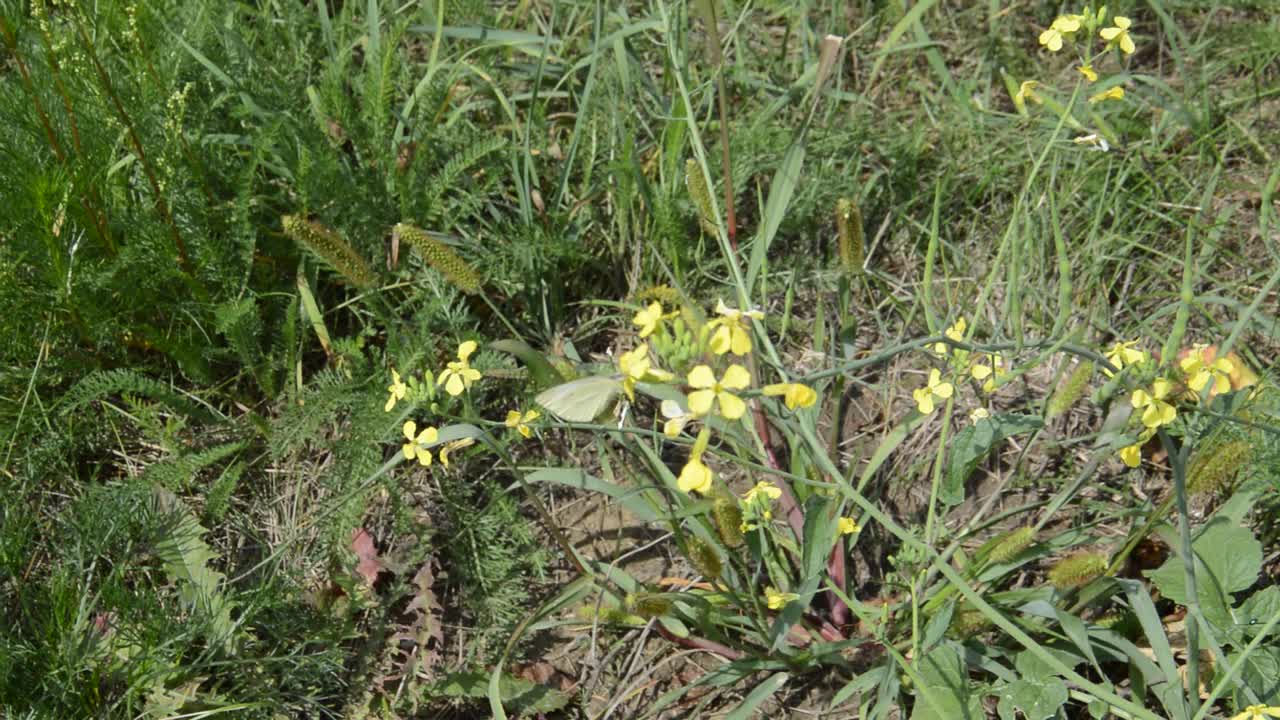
x: 581, y: 400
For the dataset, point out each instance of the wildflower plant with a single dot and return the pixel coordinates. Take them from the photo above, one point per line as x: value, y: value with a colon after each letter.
x: 1092, y: 40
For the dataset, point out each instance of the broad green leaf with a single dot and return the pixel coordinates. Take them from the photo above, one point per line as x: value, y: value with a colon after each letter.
x: 517, y: 694
x: 973, y: 443
x: 1261, y: 673
x: 1038, y: 693
x: 944, y: 692
x: 1228, y: 560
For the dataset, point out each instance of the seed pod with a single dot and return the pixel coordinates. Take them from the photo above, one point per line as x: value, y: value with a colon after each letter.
x: 441, y: 258
x: 1077, y: 570
x: 330, y: 247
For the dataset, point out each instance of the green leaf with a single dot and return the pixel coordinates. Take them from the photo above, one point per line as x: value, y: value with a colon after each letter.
x: 943, y: 692
x: 186, y: 557
x: 1228, y: 560
x: 632, y: 499
x: 757, y: 696
x: 541, y: 370
x: 517, y: 694
x: 974, y: 442
x: 1037, y: 692
x: 1261, y: 673
x: 781, y: 189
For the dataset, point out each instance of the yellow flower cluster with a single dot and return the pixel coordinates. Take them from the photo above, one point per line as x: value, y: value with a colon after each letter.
x: 1063, y: 31
x: 988, y: 368
x: 457, y: 378
x: 709, y: 395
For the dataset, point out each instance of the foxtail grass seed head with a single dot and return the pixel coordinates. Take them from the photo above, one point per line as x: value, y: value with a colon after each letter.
x: 1070, y: 390
x: 700, y: 194
x: 648, y: 605
x: 968, y: 622
x: 1214, y: 471
x: 1078, y: 570
x: 849, y: 234
x: 330, y: 247
x: 705, y: 559
x: 727, y: 516
x: 440, y: 257
x: 1007, y: 547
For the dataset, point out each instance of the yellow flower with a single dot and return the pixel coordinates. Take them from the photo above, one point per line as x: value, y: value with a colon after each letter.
x: 1062, y: 28
x: 936, y: 387
x: 993, y: 373
x: 1157, y: 411
x: 695, y: 477
x: 459, y: 375
x: 1257, y: 712
x: 648, y: 319
x: 1115, y: 93
x: 417, y: 444
x: 1132, y: 454
x: 396, y: 389
x: 979, y: 414
x: 794, y: 395
x: 777, y: 600
x: 1026, y: 91
x: 1199, y: 373
x: 1122, y: 355
x: 1087, y: 71
x: 848, y: 526
x: 521, y: 422
x: 955, y: 332
x: 732, y: 331
x: 1119, y: 35
x: 636, y: 367
x: 766, y: 491
x: 676, y: 417
x: 455, y: 445
x: 709, y: 389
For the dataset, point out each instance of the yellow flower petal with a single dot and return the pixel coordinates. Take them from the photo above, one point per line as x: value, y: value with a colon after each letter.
x: 924, y: 400
x: 736, y: 377
x: 466, y: 349
x: 702, y: 377
x: 799, y: 396
x: 409, y: 428
x: 1088, y: 72
x: 731, y: 406
x: 454, y: 385
x: 848, y: 526
x: 700, y: 401
x: 695, y: 477
x: 740, y: 343
x: 1131, y: 455
x: 721, y: 340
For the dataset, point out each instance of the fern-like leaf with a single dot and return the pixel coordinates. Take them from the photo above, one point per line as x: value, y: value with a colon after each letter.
x: 186, y: 558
